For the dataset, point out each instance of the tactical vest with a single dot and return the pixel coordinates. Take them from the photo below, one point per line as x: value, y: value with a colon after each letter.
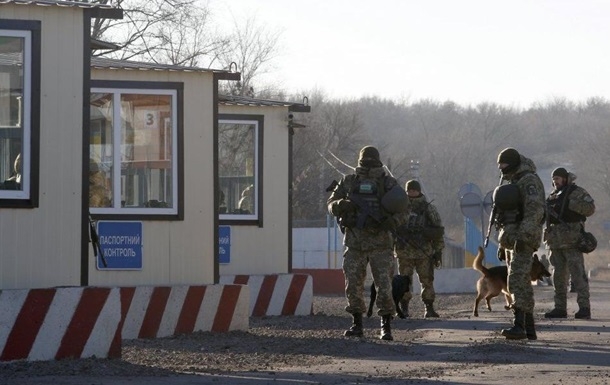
x: 417, y: 221
x: 369, y: 192
x: 508, y: 205
x: 559, y: 211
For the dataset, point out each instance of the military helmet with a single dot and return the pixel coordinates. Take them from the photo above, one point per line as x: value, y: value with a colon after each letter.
x: 587, y: 242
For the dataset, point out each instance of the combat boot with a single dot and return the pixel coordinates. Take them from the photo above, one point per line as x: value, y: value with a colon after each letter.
x: 583, y: 313
x: 517, y: 332
x: 530, y: 328
x: 386, y: 329
x: 356, y: 329
x: 430, y: 313
x: 556, y: 313
x: 404, y: 306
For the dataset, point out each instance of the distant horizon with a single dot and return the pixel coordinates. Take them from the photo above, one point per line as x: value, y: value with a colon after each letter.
x: 512, y: 54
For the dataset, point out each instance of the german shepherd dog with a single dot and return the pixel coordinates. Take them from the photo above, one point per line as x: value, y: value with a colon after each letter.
x: 495, y: 280
x: 400, y: 286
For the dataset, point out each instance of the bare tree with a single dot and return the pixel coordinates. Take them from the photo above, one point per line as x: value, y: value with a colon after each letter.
x: 161, y: 31
x: 252, y: 48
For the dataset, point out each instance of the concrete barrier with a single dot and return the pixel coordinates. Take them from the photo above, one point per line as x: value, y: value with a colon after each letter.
x: 162, y: 311
x: 56, y: 323
x: 325, y: 281
x: 81, y: 322
x: 276, y: 294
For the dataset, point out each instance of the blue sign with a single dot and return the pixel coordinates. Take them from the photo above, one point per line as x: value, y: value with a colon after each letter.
x: 122, y: 245
x: 224, y: 244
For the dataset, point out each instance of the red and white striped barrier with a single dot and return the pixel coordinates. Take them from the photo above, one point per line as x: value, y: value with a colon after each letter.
x: 276, y: 294
x: 48, y: 324
x: 161, y: 311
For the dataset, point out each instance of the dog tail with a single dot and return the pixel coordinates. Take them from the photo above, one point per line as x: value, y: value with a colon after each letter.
x: 477, y: 264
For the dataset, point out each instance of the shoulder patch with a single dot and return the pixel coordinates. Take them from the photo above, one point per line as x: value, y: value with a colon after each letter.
x: 531, y: 189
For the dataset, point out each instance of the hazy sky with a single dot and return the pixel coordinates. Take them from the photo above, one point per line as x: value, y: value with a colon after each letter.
x: 469, y: 51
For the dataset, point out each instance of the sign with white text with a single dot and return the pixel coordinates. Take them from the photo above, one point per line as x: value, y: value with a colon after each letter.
x: 122, y: 245
x: 224, y: 244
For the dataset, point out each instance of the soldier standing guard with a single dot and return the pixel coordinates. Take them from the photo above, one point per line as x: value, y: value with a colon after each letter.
x: 369, y: 206
x: 419, y: 247
x: 569, y: 206
x: 519, y: 236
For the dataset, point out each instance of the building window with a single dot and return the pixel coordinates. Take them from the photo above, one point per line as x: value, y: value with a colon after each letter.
x: 19, y: 110
x: 133, y: 154
x: 239, y: 162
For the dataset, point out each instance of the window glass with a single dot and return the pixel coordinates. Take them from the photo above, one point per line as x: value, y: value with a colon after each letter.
x: 238, y: 169
x: 133, y: 163
x: 14, y: 114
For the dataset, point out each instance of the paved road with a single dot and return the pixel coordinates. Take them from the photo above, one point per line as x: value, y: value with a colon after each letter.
x: 458, y: 350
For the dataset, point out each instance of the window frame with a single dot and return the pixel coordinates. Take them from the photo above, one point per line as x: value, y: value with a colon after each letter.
x: 257, y: 218
x: 28, y: 196
x: 175, y: 91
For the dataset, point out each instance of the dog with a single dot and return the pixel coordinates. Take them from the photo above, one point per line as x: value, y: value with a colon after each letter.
x: 495, y: 280
x: 400, y: 286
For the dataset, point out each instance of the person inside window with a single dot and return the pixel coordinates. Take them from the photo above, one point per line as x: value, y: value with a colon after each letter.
x: 14, y: 181
x: 246, y: 202
x: 98, y: 194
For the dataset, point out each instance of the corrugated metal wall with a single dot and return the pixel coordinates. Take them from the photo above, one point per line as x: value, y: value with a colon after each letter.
x: 264, y: 250
x: 36, y: 242
x: 178, y: 252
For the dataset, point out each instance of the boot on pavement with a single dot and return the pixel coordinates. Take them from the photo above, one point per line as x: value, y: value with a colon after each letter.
x: 583, y: 313
x: 356, y: 329
x: 430, y: 313
x: 556, y: 313
x: 517, y: 332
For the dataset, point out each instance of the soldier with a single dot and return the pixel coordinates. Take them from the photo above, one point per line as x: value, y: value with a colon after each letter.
x: 568, y: 206
x: 419, y: 246
x: 519, y: 236
x: 367, y: 220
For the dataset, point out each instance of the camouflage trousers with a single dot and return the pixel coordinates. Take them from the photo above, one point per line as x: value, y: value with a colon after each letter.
x: 519, y: 283
x: 569, y: 262
x: 382, y: 269
x: 424, y: 267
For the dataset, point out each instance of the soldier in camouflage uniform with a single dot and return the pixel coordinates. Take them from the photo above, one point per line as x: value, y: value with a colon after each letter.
x: 568, y: 206
x: 368, y: 240
x: 519, y: 237
x: 419, y: 247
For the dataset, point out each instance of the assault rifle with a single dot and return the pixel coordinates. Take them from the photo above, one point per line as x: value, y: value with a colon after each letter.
x: 95, y: 242
x: 492, y: 221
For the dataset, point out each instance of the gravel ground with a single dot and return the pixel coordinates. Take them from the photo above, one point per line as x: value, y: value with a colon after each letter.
x: 271, y: 343
x: 453, y: 346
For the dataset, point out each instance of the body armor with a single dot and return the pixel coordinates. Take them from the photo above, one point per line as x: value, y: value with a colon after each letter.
x: 365, y: 193
x: 507, y: 202
x: 559, y: 211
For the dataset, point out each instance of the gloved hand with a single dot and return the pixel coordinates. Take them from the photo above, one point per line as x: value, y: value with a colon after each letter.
x: 437, y: 258
x: 342, y: 207
x: 388, y: 224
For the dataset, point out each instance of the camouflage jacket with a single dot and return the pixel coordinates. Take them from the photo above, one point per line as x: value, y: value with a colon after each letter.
x: 367, y: 238
x: 564, y: 235
x: 416, y: 246
x: 531, y: 189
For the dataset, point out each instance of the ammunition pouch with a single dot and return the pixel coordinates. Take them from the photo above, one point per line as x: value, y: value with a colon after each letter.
x: 508, y: 216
